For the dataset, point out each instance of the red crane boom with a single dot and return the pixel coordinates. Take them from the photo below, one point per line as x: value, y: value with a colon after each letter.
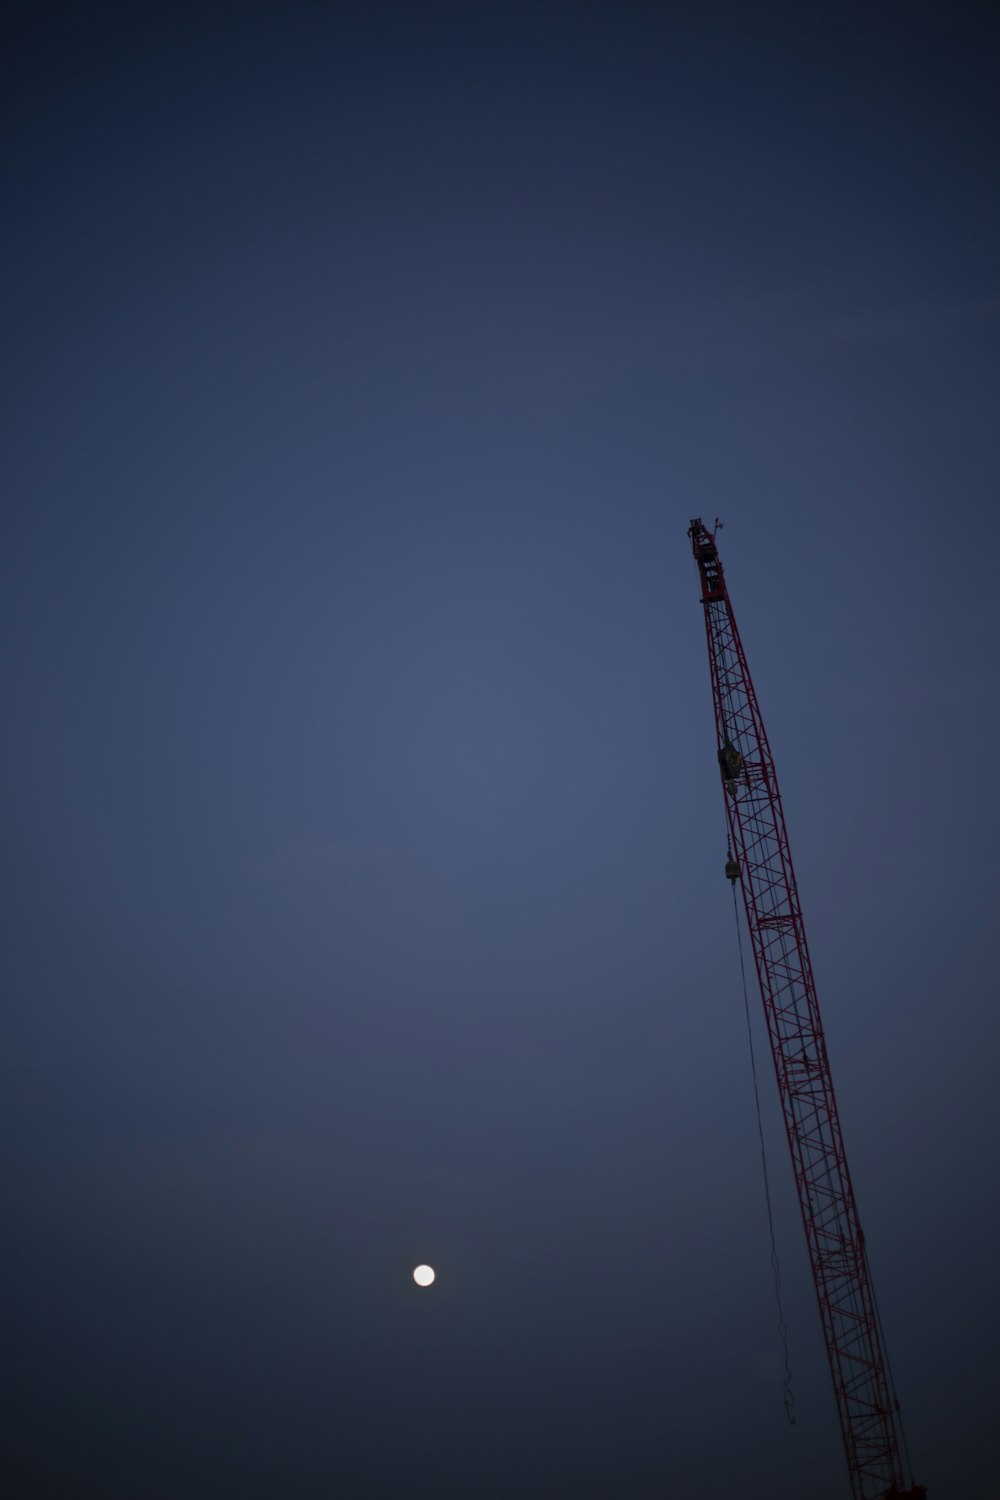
x: 763, y: 865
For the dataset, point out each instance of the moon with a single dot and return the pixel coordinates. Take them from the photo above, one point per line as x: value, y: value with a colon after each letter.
x: 423, y: 1275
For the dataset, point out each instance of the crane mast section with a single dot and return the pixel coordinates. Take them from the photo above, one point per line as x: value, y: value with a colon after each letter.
x: 759, y: 841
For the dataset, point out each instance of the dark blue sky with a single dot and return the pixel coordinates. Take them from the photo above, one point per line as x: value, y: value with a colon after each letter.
x: 362, y: 845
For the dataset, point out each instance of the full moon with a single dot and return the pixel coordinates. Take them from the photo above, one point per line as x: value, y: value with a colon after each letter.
x: 423, y: 1275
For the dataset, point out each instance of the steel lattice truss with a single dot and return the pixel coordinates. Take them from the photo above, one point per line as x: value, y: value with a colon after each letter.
x: 774, y: 918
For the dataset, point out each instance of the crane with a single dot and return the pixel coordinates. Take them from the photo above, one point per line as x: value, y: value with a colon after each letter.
x: 760, y: 859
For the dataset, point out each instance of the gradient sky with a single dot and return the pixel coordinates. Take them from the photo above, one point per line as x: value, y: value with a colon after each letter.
x: 363, y: 899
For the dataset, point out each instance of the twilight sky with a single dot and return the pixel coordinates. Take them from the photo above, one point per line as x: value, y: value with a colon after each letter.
x: 362, y: 851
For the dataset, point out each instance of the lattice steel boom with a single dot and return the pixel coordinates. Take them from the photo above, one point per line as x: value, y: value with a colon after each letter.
x: 761, y: 860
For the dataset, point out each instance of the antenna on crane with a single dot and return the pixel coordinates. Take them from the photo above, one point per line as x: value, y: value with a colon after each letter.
x: 759, y: 860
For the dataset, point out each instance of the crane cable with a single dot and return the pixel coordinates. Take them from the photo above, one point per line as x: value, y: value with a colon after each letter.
x: 789, y: 1395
